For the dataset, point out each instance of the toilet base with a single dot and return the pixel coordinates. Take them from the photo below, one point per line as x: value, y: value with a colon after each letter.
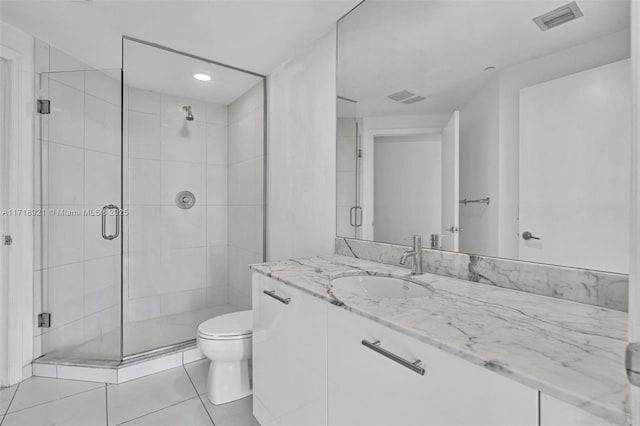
x: 228, y: 381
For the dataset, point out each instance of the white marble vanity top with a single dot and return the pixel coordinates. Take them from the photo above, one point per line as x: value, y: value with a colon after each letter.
x: 571, y: 351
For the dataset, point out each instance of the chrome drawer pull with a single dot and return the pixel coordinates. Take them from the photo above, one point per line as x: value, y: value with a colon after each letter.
x: 273, y: 294
x: 415, y: 366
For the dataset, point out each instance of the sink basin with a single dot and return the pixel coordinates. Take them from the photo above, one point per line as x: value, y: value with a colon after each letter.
x: 380, y: 287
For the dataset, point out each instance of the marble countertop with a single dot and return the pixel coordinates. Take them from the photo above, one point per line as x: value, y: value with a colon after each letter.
x: 571, y: 351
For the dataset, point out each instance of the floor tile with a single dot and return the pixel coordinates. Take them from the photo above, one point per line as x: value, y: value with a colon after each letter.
x: 198, y: 372
x: 142, y: 396
x: 38, y: 390
x: 85, y: 409
x: 190, y: 412
x: 6, y: 395
x: 236, y: 413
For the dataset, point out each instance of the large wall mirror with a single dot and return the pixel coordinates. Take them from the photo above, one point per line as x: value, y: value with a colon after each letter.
x: 497, y: 128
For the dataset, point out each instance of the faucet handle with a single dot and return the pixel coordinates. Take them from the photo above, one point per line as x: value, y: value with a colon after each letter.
x: 417, y: 242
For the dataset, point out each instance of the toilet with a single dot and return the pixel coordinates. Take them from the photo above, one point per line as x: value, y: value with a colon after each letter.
x: 226, y: 341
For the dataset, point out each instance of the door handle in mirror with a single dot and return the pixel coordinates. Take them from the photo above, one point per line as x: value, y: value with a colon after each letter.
x: 526, y: 235
x: 454, y: 229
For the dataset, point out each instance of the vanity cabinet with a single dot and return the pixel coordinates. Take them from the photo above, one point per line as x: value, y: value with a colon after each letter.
x: 289, y: 355
x: 367, y: 388
x: 554, y: 412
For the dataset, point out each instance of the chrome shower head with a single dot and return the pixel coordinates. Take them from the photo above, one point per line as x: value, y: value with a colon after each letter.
x: 187, y: 110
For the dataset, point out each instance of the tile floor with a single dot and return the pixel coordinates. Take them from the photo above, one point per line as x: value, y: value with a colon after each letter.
x: 172, y: 397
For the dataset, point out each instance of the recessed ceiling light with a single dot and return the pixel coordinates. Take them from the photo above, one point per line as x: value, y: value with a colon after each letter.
x: 202, y: 77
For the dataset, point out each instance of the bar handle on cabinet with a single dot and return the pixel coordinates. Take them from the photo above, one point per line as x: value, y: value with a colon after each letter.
x: 376, y: 346
x: 273, y: 294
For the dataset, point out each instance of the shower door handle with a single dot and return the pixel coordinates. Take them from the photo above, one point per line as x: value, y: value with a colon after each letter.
x: 105, y: 211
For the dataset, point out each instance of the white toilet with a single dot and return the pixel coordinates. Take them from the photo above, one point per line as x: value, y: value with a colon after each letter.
x: 226, y: 341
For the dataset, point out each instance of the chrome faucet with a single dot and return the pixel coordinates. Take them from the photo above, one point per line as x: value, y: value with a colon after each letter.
x: 415, y: 254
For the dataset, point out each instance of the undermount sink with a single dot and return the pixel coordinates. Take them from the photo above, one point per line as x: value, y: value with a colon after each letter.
x: 384, y: 287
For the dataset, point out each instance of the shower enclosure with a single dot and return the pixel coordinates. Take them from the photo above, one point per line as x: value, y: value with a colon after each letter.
x: 151, y: 201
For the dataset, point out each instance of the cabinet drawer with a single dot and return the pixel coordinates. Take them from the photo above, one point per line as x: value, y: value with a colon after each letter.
x: 366, y: 387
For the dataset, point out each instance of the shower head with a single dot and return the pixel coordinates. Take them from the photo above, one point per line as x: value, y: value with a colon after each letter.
x: 187, y: 110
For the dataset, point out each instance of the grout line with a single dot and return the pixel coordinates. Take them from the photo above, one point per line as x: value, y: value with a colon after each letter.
x: 199, y: 396
x: 54, y: 400
x: 4, y: 415
x: 154, y: 411
x: 106, y: 404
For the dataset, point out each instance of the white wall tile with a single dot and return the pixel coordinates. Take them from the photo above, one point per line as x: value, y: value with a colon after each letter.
x: 102, y: 179
x: 144, y: 181
x: 183, y: 227
x: 41, y: 56
x: 217, y: 265
x: 103, y: 86
x: 216, y: 225
x: 246, y: 182
x: 66, y: 121
x: 66, y: 172
x: 66, y: 295
x: 245, y: 227
x: 216, y: 185
x: 185, y: 269
x: 146, y: 278
x: 102, y: 126
x: 65, y: 243
x: 104, y: 328
x: 217, y: 296
x: 144, y: 135
x: 144, y: 101
x: 101, y: 284
x: 183, y: 140
x: 144, y: 308
x: 216, y: 113
x: 216, y: 138
x: 185, y: 301
x: 144, y: 228
x: 64, y: 337
x: 178, y: 177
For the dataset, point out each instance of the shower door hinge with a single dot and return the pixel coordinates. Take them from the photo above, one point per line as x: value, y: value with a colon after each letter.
x: 632, y: 363
x: 44, y: 106
x: 7, y: 240
x: 44, y: 320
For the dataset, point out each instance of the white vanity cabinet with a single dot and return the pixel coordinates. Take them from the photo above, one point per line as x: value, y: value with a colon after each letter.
x: 554, y: 412
x: 289, y: 355
x: 367, y: 388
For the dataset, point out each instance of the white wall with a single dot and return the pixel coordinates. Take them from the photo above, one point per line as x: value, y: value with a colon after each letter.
x: 17, y: 285
x: 246, y: 192
x: 407, y: 187
x: 479, y: 141
x: 301, y: 154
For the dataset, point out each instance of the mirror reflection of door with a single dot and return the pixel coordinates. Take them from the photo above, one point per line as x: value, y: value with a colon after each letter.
x: 450, y: 183
x: 574, y: 169
x: 349, y: 211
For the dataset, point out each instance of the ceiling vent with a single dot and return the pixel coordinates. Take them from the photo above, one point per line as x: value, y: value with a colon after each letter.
x: 558, y: 16
x: 406, y: 97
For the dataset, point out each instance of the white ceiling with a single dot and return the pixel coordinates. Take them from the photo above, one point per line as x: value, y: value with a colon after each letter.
x: 439, y: 49
x: 253, y: 35
x: 151, y: 68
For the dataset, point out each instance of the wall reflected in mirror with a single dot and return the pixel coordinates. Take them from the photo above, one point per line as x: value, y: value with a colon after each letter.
x: 468, y: 123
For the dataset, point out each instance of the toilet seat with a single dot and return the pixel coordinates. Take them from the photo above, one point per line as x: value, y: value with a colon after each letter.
x: 236, y: 325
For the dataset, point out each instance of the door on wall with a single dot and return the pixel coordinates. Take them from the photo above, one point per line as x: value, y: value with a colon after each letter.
x: 78, y: 252
x: 349, y: 209
x: 450, y: 182
x: 591, y: 194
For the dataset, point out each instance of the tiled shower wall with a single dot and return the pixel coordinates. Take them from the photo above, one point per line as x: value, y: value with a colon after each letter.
x: 246, y: 192
x: 78, y: 153
x: 177, y: 258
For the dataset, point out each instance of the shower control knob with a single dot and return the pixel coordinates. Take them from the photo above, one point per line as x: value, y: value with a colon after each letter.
x: 526, y: 235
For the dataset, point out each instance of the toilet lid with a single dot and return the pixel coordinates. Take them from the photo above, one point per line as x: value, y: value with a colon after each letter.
x: 227, y: 325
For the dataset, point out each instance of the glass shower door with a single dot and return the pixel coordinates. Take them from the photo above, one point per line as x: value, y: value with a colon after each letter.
x: 78, y: 244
